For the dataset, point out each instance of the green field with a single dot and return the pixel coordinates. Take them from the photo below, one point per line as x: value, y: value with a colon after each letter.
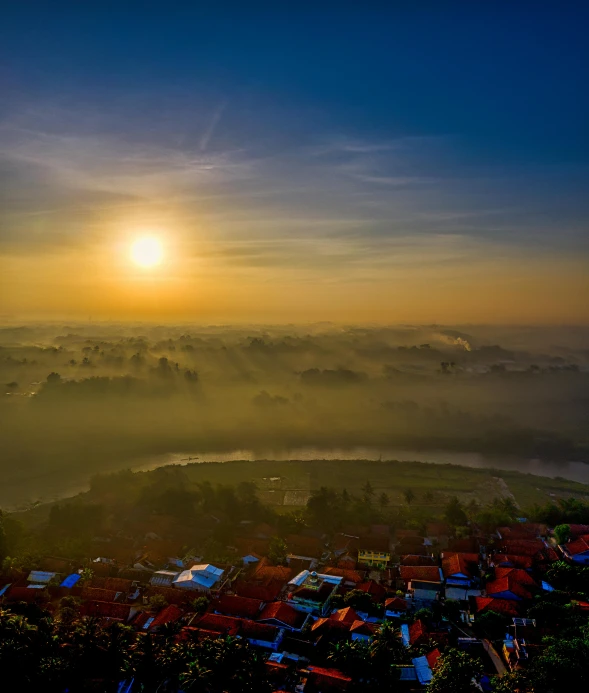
x: 393, y: 478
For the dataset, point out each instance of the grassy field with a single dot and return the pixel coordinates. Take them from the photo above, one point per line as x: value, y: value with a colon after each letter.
x: 284, y: 481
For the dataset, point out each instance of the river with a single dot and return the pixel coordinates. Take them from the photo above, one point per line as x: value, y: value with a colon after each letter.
x: 575, y: 471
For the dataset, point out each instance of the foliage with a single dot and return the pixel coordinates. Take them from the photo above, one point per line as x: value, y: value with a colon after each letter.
x: 358, y: 600
x: 455, y: 672
x: 454, y: 513
x: 157, y: 602
x: 200, y: 604
x: 277, y: 551
x: 562, y: 533
x: 81, y: 655
x: 374, y: 663
x: 409, y: 496
x: 491, y: 625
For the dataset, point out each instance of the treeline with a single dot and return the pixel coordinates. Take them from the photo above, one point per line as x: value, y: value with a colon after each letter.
x: 65, y: 652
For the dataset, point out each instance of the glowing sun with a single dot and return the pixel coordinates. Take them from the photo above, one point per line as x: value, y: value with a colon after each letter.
x: 147, y: 252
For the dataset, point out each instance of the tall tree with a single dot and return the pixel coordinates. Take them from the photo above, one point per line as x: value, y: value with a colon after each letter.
x: 409, y: 496
x: 456, y: 672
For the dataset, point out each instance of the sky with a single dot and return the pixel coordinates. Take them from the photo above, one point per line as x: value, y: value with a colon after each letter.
x: 298, y: 162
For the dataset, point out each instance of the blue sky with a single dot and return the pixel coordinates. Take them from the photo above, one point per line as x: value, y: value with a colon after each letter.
x: 328, y: 138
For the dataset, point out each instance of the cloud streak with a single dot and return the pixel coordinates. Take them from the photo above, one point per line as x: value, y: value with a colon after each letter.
x: 343, y: 200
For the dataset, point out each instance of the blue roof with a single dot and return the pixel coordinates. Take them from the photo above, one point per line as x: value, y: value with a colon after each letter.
x: 71, y: 580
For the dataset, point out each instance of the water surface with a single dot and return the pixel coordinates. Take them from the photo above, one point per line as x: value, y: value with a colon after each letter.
x: 574, y: 471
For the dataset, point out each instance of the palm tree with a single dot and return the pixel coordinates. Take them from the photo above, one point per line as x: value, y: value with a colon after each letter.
x: 387, y: 646
x: 352, y: 657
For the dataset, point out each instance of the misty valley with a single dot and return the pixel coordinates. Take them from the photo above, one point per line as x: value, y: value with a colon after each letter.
x: 87, y: 398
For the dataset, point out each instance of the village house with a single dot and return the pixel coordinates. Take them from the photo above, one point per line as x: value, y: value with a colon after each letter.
x: 311, y: 592
x: 460, y: 569
x: 283, y: 615
x: 577, y: 551
x: 257, y: 634
x: 374, y: 550
x: 240, y: 607
x: 320, y: 679
x: 343, y: 624
x: 420, y: 573
x: 417, y: 633
x: 395, y: 607
x: 163, y: 578
x: 201, y: 578
x: 423, y: 593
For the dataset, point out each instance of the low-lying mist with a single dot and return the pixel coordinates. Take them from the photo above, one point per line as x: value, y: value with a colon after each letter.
x: 86, y: 398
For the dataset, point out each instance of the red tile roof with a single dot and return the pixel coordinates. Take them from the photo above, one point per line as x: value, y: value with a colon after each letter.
x: 374, y: 589
x: 111, y: 610
x: 346, y: 615
x: 459, y: 564
x: 577, y: 547
x: 244, y: 607
x: 19, y: 593
x: 374, y: 542
x: 522, y: 547
x: 362, y: 628
x: 517, y: 574
x: 112, y: 583
x: 396, y: 604
x: 579, y: 530
x: 507, y: 584
x: 258, y: 631
x: 170, y: 614
x: 284, y: 613
x: 417, y: 631
x: 425, y: 573
x: 516, y: 561
x: 413, y: 559
x: 432, y: 657
x: 321, y: 679
x: 267, y: 592
x: 218, y: 624
x: 98, y: 594
x: 265, y: 573
x: 507, y: 607
x: 520, y: 531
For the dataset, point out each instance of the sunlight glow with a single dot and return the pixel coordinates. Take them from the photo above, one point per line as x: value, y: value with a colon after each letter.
x: 147, y: 252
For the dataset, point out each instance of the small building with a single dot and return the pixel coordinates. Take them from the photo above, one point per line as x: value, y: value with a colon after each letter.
x: 71, y: 580
x: 424, y: 593
x: 460, y: 569
x: 395, y: 607
x: 577, y: 551
x: 362, y: 631
x: 421, y: 573
x: 283, y: 615
x: 311, y: 592
x: 163, y: 578
x: 41, y: 577
x: 320, y: 680
x: 374, y: 550
x: 239, y: 607
x: 201, y: 578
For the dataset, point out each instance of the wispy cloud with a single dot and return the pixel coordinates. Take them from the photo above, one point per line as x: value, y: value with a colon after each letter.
x: 340, y: 201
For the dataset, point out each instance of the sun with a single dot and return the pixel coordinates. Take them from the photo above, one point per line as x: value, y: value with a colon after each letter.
x: 147, y: 252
